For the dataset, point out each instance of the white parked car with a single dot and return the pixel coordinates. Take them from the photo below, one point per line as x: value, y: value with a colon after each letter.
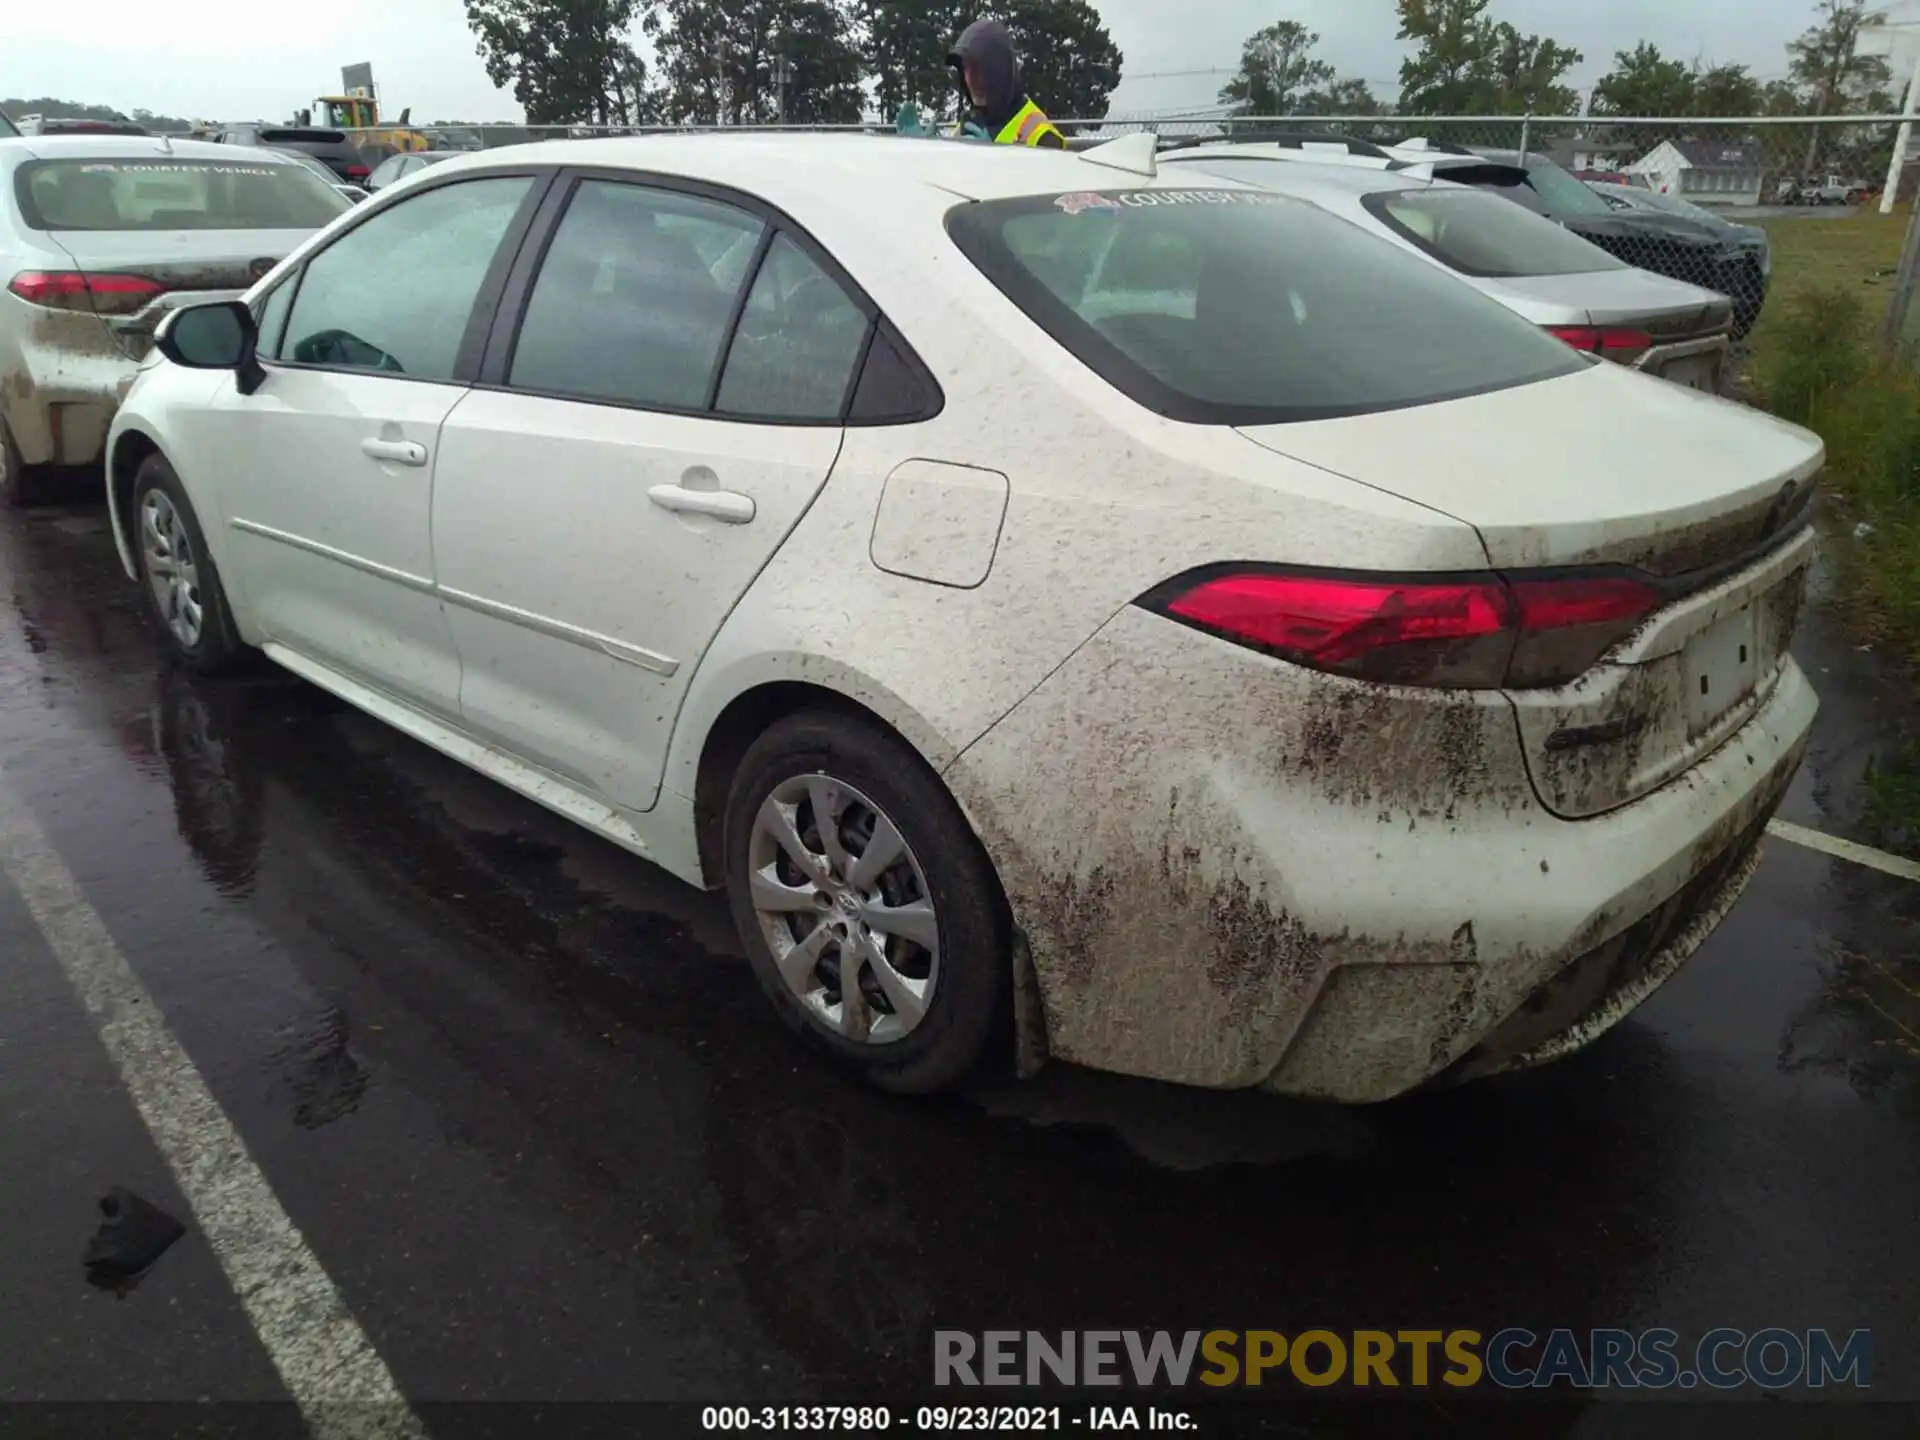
x: 101, y: 236
x: 1139, y: 611
x: 1534, y: 267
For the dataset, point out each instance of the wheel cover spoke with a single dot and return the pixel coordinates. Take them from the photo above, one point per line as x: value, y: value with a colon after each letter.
x: 771, y: 893
x: 883, y: 852
x: 915, y: 922
x: 908, y: 997
x: 798, y: 964
x: 777, y: 820
x: 829, y: 805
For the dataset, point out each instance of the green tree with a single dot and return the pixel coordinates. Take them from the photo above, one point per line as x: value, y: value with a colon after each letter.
x: 1466, y: 63
x: 1825, y: 62
x: 1524, y: 73
x: 1342, y: 97
x: 1726, y: 90
x: 1067, y: 56
x: 1277, y: 71
x: 1644, y: 82
x: 906, y: 51
x: 1447, y: 73
x: 827, y: 66
x: 566, y: 61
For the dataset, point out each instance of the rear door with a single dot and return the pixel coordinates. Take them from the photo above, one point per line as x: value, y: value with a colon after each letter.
x: 655, y: 416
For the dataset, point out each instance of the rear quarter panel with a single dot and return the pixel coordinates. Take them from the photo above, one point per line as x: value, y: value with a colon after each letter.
x: 1105, y: 500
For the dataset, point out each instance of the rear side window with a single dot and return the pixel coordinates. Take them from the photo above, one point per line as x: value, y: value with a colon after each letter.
x: 634, y: 297
x: 395, y: 294
x: 799, y: 338
x: 1481, y: 234
x: 1243, y: 307
x: 163, y: 194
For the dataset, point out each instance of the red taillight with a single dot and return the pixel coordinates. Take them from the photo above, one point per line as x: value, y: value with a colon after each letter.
x: 1609, y: 343
x: 1329, y: 621
x: 1469, y: 632
x: 1560, y: 604
x: 76, y: 290
x: 358, y: 172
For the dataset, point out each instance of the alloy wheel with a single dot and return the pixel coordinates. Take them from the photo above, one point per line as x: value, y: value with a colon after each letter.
x: 844, y: 905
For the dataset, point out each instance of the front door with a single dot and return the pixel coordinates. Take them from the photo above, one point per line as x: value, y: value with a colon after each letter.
x: 598, y: 516
x: 330, y: 518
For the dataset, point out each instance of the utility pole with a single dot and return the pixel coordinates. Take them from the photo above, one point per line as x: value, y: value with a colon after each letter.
x: 1904, y: 282
x: 782, y: 72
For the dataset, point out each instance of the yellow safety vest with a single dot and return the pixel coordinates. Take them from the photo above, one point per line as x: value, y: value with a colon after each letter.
x: 1028, y: 127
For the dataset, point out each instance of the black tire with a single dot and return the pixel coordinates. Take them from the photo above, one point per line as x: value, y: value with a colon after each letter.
x: 969, y: 1010
x: 218, y: 649
x: 19, y: 487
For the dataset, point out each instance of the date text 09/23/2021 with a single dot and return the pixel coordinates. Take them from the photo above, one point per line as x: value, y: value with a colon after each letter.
x: 946, y: 1419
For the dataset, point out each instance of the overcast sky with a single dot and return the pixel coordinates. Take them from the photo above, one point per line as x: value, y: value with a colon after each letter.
x: 242, y: 59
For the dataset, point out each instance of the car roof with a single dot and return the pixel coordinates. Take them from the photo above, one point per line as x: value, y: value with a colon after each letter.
x: 764, y: 162
x: 119, y: 147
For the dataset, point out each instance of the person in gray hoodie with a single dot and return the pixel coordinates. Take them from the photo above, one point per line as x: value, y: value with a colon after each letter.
x: 985, y: 67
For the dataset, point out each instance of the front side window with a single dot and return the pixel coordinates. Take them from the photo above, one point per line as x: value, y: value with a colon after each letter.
x: 105, y: 194
x: 1478, y: 233
x: 1245, y: 307
x: 395, y: 294
x: 634, y: 297
x: 799, y: 338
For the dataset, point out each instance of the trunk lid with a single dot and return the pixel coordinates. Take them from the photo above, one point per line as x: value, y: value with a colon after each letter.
x: 1668, y: 310
x: 1604, y: 466
x: 190, y: 267
x: 1608, y: 468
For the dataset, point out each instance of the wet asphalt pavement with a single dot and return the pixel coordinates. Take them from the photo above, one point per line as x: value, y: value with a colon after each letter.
x: 522, y: 1099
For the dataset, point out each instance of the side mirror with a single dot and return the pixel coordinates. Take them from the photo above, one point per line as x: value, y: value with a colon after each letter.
x: 219, y: 336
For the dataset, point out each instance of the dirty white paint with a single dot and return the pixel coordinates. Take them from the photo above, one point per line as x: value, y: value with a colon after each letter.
x: 940, y: 522
x: 1196, y: 839
x: 325, y: 1360
x: 1845, y: 850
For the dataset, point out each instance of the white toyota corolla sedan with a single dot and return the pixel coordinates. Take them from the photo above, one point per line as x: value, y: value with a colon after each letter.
x: 1150, y: 620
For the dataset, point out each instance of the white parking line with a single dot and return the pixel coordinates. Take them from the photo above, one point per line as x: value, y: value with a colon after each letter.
x: 1845, y: 850
x: 341, y: 1385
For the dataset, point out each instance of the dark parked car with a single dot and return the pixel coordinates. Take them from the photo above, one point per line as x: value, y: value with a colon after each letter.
x: 1666, y: 243
x: 330, y: 147
x: 1749, y: 238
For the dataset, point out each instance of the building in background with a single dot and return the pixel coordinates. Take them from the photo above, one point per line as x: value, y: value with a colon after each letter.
x: 1707, y: 172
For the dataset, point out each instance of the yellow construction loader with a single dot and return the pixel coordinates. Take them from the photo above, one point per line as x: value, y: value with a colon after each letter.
x: 357, y: 114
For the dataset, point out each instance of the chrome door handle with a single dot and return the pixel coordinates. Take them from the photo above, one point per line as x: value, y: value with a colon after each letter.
x: 401, y: 452
x: 726, y: 505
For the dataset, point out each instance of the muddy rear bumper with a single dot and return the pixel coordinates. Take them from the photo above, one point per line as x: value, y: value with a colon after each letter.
x: 1236, y: 873
x: 64, y: 380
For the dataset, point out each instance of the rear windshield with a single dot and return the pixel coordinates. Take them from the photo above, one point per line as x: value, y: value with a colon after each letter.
x: 1563, y: 194
x: 1242, y: 307
x: 1478, y: 233
x: 173, y: 194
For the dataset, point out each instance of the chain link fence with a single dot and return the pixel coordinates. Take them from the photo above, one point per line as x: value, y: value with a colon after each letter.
x: 1758, y: 209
